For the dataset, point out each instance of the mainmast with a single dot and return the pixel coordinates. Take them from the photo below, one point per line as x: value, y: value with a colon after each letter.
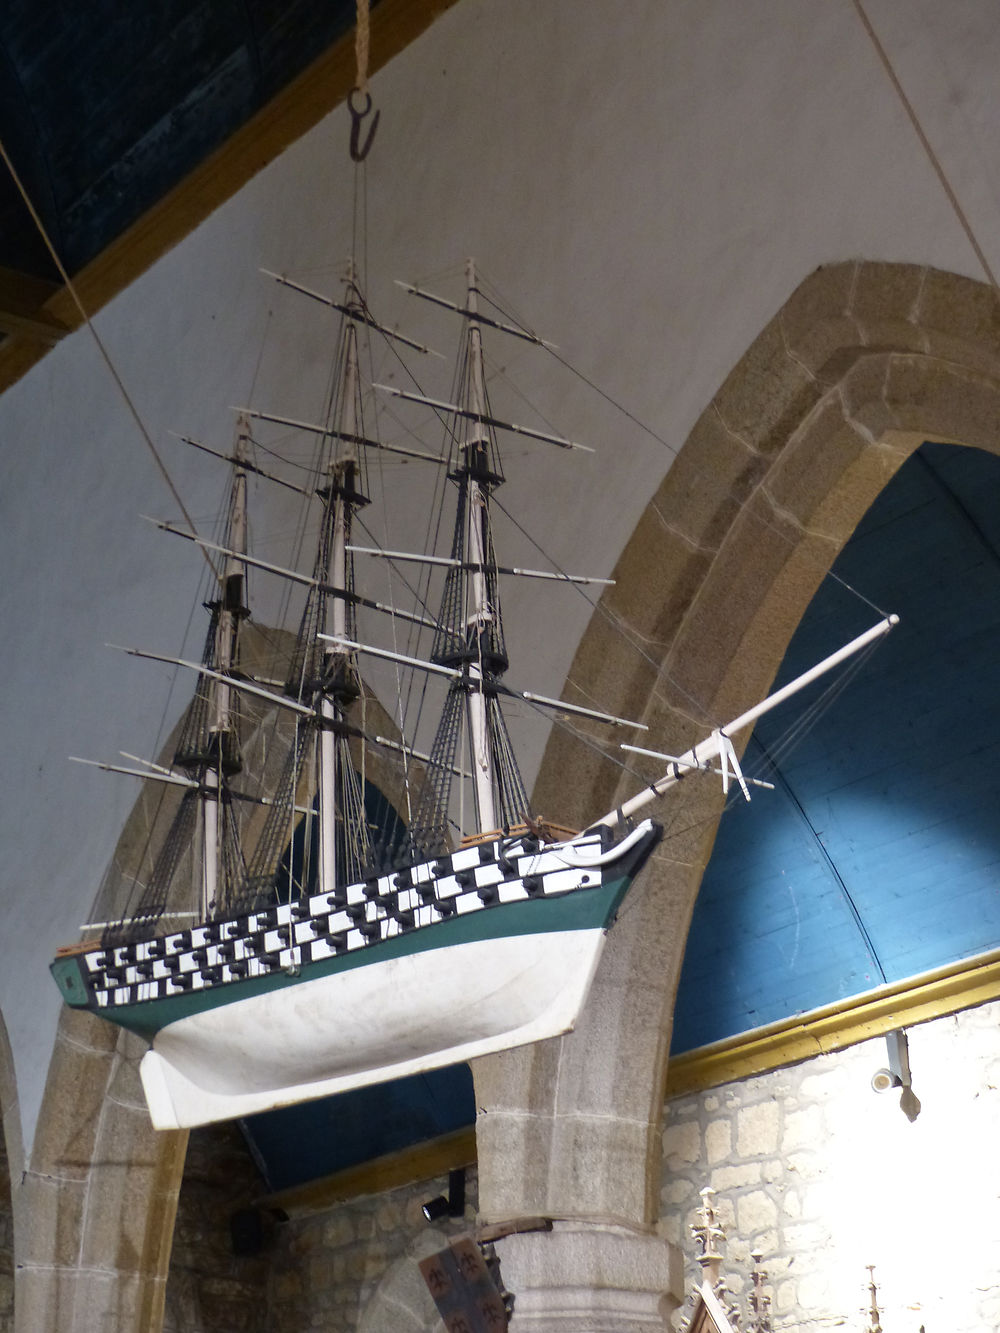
x: 475, y: 460
x: 339, y: 787
x: 325, y: 677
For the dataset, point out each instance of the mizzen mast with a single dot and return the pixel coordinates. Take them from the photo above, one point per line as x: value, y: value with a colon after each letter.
x: 339, y: 785
x: 479, y: 612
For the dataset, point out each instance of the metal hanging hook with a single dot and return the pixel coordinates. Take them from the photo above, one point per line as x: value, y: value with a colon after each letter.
x: 360, y: 151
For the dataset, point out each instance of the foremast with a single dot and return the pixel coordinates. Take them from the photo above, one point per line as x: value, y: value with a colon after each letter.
x: 470, y: 636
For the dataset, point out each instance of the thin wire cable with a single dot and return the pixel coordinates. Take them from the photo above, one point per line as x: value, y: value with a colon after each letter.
x: 853, y: 910
x: 112, y: 370
x: 673, y: 449
x: 932, y: 157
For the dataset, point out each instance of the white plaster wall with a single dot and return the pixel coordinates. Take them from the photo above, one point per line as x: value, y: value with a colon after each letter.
x: 646, y: 183
x: 823, y: 1176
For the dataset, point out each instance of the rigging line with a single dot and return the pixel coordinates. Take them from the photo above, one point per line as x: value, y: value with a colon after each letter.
x: 674, y: 450
x: 260, y: 354
x: 500, y: 372
x: 925, y: 143
x: 958, y: 506
x: 420, y: 600
x: 153, y: 822
x: 403, y: 696
x: 828, y: 861
x: 804, y: 723
x: 615, y: 621
x: 440, y: 481
x: 831, y: 573
x: 126, y: 397
x: 797, y: 732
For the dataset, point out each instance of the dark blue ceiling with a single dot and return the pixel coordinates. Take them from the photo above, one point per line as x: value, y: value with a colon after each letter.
x: 302, y: 1143
x: 878, y: 856
x: 105, y: 106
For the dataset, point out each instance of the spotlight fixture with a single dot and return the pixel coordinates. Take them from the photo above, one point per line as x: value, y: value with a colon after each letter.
x: 884, y: 1079
x: 897, y: 1073
x: 435, y: 1208
x: 450, y: 1205
x: 246, y: 1232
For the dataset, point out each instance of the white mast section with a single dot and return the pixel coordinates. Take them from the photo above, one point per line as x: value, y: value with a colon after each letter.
x: 470, y: 414
x: 479, y: 613
x: 719, y: 743
x: 307, y: 581
x: 526, y: 334
x: 342, y: 473
x: 232, y: 577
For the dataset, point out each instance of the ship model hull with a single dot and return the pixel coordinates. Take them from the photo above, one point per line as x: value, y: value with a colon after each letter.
x: 308, y: 974
x: 492, y: 946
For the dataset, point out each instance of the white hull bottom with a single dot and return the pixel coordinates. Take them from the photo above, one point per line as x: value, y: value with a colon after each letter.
x: 372, y: 1023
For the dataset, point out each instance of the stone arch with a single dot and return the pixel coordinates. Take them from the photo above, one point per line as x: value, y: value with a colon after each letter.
x: 401, y: 1302
x: 862, y: 363
x: 102, y: 1187
x: 11, y: 1166
x: 100, y: 1190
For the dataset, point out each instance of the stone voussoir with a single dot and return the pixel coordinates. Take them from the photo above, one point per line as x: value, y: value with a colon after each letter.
x: 767, y: 393
x: 703, y: 502
x: 827, y: 476
x: 943, y: 400
x: 817, y: 323
x: 885, y: 303
x: 961, y: 320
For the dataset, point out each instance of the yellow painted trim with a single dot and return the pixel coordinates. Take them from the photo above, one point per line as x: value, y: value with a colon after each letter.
x: 22, y: 302
x: 289, y: 115
x: 946, y: 990
x: 423, y: 1161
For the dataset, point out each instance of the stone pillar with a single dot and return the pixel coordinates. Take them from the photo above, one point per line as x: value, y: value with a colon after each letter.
x: 585, y: 1277
x: 100, y: 1192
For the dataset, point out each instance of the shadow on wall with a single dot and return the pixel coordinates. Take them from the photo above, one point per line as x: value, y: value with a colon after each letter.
x: 209, y: 1286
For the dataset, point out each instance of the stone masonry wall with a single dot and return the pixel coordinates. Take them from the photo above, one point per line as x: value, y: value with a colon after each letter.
x: 317, y: 1271
x: 209, y: 1288
x: 327, y: 1267
x: 823, y: 1175
x: 6, y: 1244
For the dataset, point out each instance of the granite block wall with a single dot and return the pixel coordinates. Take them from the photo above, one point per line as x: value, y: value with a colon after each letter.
x: 810, y: 1166
x: 210, y: 1289
x: 6, y: 1244
x: 823, y: 1176
x: 356, y: 1266
x: 323, y: 1270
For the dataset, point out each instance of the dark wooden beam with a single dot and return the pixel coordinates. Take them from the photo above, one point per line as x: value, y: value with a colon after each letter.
x: 22, y: 308
x: 424, y: 1161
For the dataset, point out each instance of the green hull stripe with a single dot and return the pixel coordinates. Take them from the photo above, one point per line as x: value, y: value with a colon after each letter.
x: 581, y: 909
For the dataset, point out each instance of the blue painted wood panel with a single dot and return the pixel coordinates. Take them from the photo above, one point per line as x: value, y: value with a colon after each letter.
x: 878, y: 856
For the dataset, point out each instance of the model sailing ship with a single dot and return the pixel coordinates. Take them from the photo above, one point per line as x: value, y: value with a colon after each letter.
x: 330, y: 954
